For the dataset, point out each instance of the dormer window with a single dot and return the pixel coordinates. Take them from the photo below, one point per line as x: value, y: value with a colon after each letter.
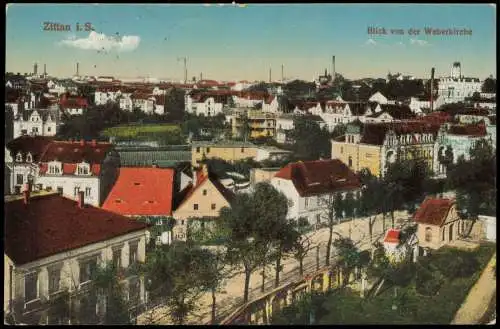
x: 54, y: 169
x: 29, y: 158
x: 19, y: 157
x: 83, y: 169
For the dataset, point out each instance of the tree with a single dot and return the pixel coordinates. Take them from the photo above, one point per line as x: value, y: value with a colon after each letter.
x: 286, y: 240
x: 334, y: 210
x: 489, y: 85
x: 174, y: 104
x: 302, y: 247
x: 370, y: 202
x: 176, y: 274
x: 311, y: 142
x: 348, y: 257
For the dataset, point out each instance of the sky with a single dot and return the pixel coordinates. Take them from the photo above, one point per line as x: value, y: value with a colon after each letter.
x: 233, y: 42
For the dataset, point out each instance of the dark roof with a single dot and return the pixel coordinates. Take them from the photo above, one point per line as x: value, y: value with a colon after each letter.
x: 398, y: 112
x: 374, y: 133
x: 433, y: 211
x: 358, y: 108
x: 35, y: 145
x: 75, y: 152
x: 475, y: 129
x: 319, y: 177
x: 150, y: 156
x: 52, y: 224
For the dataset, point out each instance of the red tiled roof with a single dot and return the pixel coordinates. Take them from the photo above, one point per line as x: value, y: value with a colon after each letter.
x: 270, y: 99
x: 74, y: 102
x: 211, y: 83
x: 320, y: 176
x: 142, y: 191
x: 468, y: 129
x: 35, y: 145
x: 75, y: 152
x: 433, y: 211
x: 392, y: 236
x: 52, y: 224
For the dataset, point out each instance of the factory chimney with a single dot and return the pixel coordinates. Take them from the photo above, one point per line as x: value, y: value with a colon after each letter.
x: 44, y: 69
x: 432, y: 89
x: 35, y: 69
x: 333, y: 68
x: 201, y: 76
x: 77, y: 69
x: 270, y: 75
x: 282, y: 75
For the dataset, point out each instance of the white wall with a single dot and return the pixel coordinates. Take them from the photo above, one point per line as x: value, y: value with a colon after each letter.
x: 68, y: 183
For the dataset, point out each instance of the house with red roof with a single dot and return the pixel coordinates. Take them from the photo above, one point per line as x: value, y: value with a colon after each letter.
x: 200, y: 203
x: 143, y: 193
x: 271, y: 104
x: 73, y: 166
x: 309, y: 185
x: 73, y: 105
x: 439, y: 223
x: 393, y: 246
x: 53, y: 244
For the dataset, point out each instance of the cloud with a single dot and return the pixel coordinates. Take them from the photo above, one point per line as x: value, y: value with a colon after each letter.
x: 370, y: 42
x: 100, y: 41
x: 419, y: 42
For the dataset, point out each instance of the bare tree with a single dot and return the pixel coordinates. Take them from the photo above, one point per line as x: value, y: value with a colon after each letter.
x: 333, y: 205
x: 302, y: 247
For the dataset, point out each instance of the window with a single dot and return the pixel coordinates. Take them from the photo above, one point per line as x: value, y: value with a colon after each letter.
x: 83, y: 169
x: 60, y: 190
x: 117, y: 258
x: 132, y: 253
x: 350, y: 161
x: 54, y: 169
x: 208, y: 149
x: 204, y: 192
x: 318, y: 219
x: 19, y: 179
x: 29, y: 158
x: 54, y: 280
x: 30, y: 287
x: 76, y: 190
x: 87, y: 191
x: 182, y: 222
x: 213, y: 206
x: 428, y: 234
x: 49, y: 129
x: 87, y: 268
x: 341, y: 150
x: 306, y: 201
x: 19, y: 157
x: 242, y: 150
x: 195, y: 206
x: 197, y: 150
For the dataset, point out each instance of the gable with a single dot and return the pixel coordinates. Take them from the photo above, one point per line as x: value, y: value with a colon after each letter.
x: 451, y: 216
x: 197, y: 197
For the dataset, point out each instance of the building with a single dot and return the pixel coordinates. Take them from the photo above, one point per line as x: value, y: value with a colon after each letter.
x: 148, y: 156
x: 229, y: 151
x: 456, y: 87
x: 22, y: 159
x: 73, y: 105
x: 271, y: 104
x: 310, y: 185
x: 52, y: 246
x: 284, y: 125
x: 259, y: 175
x: 438, y: 223
x: 35, y: 122
x: 201, y: 199
x: 378, y: 98
x: 70, y: 167
x: 375, y: 145
x: 258, y: 124
x: 143, y: 193
x: 207, y: 103
x: 393, y: 247
x: 456, y: 140
x: 249, y: 99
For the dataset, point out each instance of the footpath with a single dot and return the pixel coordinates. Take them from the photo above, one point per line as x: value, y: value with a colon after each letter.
x: 480, y: 296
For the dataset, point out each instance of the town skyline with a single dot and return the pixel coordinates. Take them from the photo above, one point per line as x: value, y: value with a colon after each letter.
x: 259, y: 35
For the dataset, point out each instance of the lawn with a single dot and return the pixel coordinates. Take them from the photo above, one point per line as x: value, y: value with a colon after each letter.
x: 404, y: 305
x: 134, y: 131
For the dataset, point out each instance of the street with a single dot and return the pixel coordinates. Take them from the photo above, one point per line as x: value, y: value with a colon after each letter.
x: 232, y: 295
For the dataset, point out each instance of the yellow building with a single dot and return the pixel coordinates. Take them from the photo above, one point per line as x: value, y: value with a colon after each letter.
x: 229, y: 151
x: 260, y: 124
x: 258, y: 175
x: 376, y: 145
x: 204, y: 198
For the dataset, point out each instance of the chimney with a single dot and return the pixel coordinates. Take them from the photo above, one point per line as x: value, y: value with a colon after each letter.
x: 44, y: 69
x: 432, y: 90
x: 333, y: 68
x: 26, y: 194
x: 270, y: 75
x: 81, y: 199
x: 82, y: 142
x: 94, y: 143
x: 77, y: 68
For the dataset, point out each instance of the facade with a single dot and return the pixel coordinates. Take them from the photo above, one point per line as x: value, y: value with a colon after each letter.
x: 72, y: 239
x: 456, y: 87
x: 73, y: 105
x: 35, y: 122
x: 438, y: 223
x: 71, y: 167
x: 258, y: 175
x: 207, y: 103
x: 309, y: 186
x: 259, y: 123
x: 227, y: 151
x: 376, y: 145
x: 271, y: 105
x: 284, y: 124
x: 203, y: 198
x: 22, y: 161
